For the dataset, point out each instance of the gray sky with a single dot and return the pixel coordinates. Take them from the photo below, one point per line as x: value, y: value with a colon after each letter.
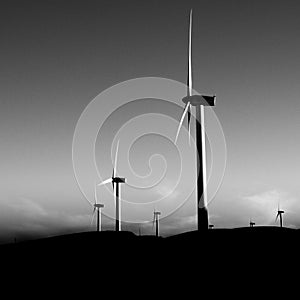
x: 56, y: 56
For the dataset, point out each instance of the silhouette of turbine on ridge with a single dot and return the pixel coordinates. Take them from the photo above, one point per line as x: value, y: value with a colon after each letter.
x: 97, y: 207
x: 156, y: 215
x: 115, y: 183
x: 279, y: 214
x: 251, y: 223
x: 199, y: 101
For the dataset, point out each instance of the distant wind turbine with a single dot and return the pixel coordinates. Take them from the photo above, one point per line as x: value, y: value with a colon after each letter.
x: 279, y: 214
x: 97, y: 208
x: 199, y: 101
x: 115, y: 183
x: 156, y: 215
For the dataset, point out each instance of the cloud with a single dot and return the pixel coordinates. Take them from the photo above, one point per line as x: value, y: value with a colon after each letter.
x: 27, y: 217
x: 179, y: 224
x: 27, y: 207
x: 167, y: 191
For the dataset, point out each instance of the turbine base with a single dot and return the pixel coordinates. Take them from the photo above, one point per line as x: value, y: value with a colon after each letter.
x: 202, y: 219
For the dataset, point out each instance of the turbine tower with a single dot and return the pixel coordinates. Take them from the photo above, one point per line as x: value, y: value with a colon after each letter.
x: 97, y: 207
x: 156, y: 215
x: 199, y: 101
x: 279, y: 214
x: 115, y: 180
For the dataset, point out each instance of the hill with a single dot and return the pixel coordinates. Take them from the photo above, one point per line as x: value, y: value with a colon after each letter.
x: 243, y: 252
x: 107, y: 243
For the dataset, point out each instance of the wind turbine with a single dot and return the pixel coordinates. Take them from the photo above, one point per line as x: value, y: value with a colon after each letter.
x: 279, y: 214
x: 97, y: 207
x: 199, y: 101
x: 156, y: 215
x: 115, y: 183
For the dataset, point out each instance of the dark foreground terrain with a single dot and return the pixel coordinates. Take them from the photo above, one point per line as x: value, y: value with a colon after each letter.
x: 216, y: 244
x: 248, y: 255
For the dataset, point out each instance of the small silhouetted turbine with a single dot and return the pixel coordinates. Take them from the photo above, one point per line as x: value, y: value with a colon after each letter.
x: 156, y: 215
x: 251, y: 223
x: 97, y: 208
x: 279, y: 214
x: 115, y: 180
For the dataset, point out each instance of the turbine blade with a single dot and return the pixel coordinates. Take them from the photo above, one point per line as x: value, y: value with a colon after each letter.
x: 116, y: 159
x: 189, y: 122
x: 181, y: 120
x: 277, y: 217
x: 190, y: 71
x: 153, y: 221
x: 95, y: 193
x: 93, y: 217
x: 113, y: 176
x: 105, y: 181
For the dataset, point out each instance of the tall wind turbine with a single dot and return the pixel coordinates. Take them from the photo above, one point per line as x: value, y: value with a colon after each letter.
x: 115, y: 180
x: 199, y: 101
x: 97, y: 207
x: 156, y: 215
x: 279, y: 214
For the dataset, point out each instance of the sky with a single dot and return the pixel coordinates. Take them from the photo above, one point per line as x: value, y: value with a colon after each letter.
x: 57, y: 56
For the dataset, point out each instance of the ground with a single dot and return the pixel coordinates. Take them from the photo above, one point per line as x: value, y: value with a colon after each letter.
x: 92, y: 258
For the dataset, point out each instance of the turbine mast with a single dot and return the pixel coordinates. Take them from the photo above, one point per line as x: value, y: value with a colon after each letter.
x: 98, y: 220
x: 190, y: 70
x: 201, y: 168
x: 118, y: 217
x: 157, y: 229
x: 156, y: 215
x: 199, y: 101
